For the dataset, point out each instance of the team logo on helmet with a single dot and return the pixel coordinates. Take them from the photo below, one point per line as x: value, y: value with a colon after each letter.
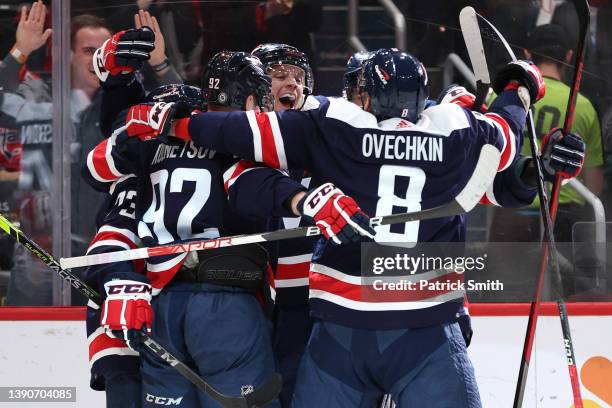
x: 382, y: 74
x: 399, y: 92
x: 172, y: 92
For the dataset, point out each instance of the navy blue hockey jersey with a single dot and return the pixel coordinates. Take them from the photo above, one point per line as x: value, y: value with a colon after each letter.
x: 117, y: 232
x: 290, y: 259
x: 389, y: 167
x: 181, y: 195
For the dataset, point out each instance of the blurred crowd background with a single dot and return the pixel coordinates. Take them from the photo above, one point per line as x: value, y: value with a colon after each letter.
x: 40, y: 185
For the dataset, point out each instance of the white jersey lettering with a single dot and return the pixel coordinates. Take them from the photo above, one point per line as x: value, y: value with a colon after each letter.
x: 402, y: 147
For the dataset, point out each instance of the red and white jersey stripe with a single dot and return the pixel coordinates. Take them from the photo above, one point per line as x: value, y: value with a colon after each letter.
x: 101, y: 345
x: 101, y: 164
x: 161, y: 270
x: 374, y: 294
x: 231, y: 174
x: 292, y: 271
x: 508, y: 150
x: 267, y: 140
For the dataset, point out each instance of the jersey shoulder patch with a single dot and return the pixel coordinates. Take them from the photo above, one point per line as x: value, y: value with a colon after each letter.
x: 348, y: 112
x: 443, y: 119
x: 312, y: 102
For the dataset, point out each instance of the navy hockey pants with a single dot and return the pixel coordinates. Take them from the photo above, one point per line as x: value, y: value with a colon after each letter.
x: 347, y: 367
x: 220, y: 332
x: 123, y: 390
x: 293, y: 327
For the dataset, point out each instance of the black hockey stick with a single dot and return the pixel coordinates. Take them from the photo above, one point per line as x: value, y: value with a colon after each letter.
x: 549, y: 249
x: 257, y: 398
x: 584, y: 15
x: 466, y: 200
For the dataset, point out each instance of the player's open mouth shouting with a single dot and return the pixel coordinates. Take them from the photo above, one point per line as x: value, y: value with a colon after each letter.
x: 287, y: 86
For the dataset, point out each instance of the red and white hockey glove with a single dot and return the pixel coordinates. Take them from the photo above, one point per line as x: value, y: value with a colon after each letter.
x: 127, y: 310
x: 338, y: 216
x: 460, y: 96
x: 520, y: 73
x: 124, y: 52
x: 562, y: 155
x: 145, y: 121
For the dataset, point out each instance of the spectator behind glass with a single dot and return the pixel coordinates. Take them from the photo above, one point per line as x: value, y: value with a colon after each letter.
x: 178, y: 20
x: 604, y: 55
x: 31, y: 113
x: 549, y: 48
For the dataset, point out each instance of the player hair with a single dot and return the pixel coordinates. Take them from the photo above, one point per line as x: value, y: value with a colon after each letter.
x: 86, y: 20
x: 554, y: 55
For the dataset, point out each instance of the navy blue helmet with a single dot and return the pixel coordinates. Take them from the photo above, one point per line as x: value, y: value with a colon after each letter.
x: 230, y: 77
x: 187, y: 98
x: 353, y: 69
x: 283, y: 54
x: 397, y: 84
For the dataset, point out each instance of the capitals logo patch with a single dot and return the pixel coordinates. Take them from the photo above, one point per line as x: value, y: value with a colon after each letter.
x: 382, y: 74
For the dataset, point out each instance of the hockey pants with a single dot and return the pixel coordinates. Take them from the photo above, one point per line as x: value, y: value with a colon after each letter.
x: 345, y: 367
x: 220, y: 332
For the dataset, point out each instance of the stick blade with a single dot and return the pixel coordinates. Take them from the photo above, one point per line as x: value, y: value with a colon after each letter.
x: 473, y: 41
x: 482, y: 178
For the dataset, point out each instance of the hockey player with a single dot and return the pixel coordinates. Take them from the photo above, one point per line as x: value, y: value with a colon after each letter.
x: 350, y: 88
x: 115, y: 367
x: 179, y: 173
x: 360, y: 347
x: 292, y: 83
x: 292, y: 79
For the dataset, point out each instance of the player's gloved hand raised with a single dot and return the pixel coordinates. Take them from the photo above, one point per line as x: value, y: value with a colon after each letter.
x: 146, y: 121
x: 460, y: 96
x: 520, y: 73
x: 562, y: 155
x: 127, y: 310
x: 124, y: 52
x: 338, y: 216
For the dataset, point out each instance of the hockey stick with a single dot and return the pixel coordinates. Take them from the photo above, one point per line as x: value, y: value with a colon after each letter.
x: 584, y: 15
x: 470, y: 195
x: 471, y: 17
x: 257, y: 398
x: 475, y: 49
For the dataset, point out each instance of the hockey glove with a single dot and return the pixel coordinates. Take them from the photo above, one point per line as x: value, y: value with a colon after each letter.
x: 562, y: 155
x: 127, y: 310
x: 520, y: 73
x: 124, y: 52
x: 186, y: 97
x: 145, y: 121
x: 460, y: 96
x: 338, y: 216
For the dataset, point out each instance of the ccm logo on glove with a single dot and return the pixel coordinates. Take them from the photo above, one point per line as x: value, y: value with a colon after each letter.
x: 129, y: 289
x: 316, y: 198
x: 337, y: 215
